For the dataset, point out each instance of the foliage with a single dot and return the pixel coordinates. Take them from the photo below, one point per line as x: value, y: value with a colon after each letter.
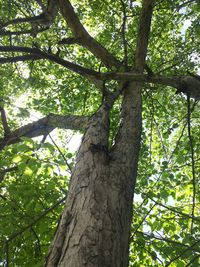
x: 34, y: 174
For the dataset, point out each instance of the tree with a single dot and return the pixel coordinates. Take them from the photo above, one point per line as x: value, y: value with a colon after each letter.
x: 87, y: 66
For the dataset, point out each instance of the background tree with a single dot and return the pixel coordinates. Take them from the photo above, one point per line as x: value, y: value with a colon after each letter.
x: 86, y: 67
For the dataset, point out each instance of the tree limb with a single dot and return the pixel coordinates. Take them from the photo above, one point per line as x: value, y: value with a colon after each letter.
x: 184, y: 83
x: 45, y: 19
x: 85, y: 39
x: 41, y: 5
x: 178, y: 82
x: 31, y: 31
x: 45, y: 125
x: 19, y: 58
x: 143, y: 34
x: 39, y: 54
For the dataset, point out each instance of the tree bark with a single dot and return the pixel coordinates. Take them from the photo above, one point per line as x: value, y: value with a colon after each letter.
x: 94, y: 228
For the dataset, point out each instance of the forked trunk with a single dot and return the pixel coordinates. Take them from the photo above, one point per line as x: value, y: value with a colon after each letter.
x: 95, y: 225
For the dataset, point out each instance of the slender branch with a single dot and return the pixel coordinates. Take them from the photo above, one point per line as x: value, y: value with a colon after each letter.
x: 7, y: 255
x: 74, y: 67
x: 42, y: 54
x: 61, y: 153
x: 183, y: 252
x: 32, y: 31
x: 192, y: 158
x: 192, y: 260
x: 36, y: 220
x: 44, y: 125
x: 85, y: 39
x: 186, y: 3
x: 143, y: 219
x: 19, y: 58
x: 167, y: 240
x: 41, y: 5
x: 148, y: 250
x: 172, y: 209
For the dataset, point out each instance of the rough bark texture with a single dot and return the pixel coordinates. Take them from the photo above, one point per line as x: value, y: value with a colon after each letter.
x: 94, y: 228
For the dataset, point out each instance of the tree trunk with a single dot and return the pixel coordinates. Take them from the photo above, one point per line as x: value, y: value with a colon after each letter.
x: 95, y: 225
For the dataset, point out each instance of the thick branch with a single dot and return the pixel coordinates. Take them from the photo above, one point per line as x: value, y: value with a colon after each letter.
x: 185, y: 84
x: 84, y: 37
x: 44, y: 126
x: 143, y: 34
x: 127, y: 141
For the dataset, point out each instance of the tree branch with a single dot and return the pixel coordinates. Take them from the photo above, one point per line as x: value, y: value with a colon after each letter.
x: 167, y: 240
x: 41, y: 5
x: 39, y: 54
x: 183, y: 83
x: 178, y: 82
x: 182, y: 253
x: 45, y: 19
x: 3, y: 172
x: 19, y: 58
x: 4, y: 122
x: 36, y: 220
x: 31, y: 31
x: 85, y: 39
x: 143, y: 34
x: 192, y: 159
x: 45, y: 125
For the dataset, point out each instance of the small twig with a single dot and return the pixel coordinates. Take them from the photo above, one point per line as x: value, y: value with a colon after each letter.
x: 63, y: 156
x: 148, y: 251
x: 185, y: 3
x: 143, y: 219
x: 38, y: 240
